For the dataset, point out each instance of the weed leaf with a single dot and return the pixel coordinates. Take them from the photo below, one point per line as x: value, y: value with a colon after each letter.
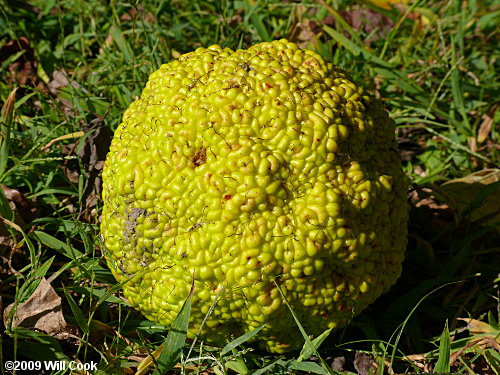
x: 36, y: 277
x: 240, y: 340
x: 267, y: 369
x: 238, y: 366
x: 172, y: 346
x: 443, y: 363
x: 307, y: 351
x: 308, y: 343
x: 77, y: 312
x: 308, y: 366
x: 57, y: 245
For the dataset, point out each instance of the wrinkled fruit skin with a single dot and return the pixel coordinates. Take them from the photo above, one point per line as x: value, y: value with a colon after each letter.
x: 240, y: 171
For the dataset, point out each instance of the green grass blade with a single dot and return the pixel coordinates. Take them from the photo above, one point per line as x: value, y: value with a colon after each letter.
x: 238, y: 366
x: 101, y: 294
x: 342, y: 22
x: 38, y: 345
x: 307, y: 351
x: 121, y: 42
x: 58, y: 245
x: 492, y: 321
x: 457, y: 145
x: 344, y: 41
x: 172, y: 346
x: 480, y: 197
x: 396, y: 27
x: 394, y: 75
x: 266, y: 369
x: 240, y: 340
x: 493, y: 358
x: 458, y: 93
x: 5, y: 210
x: 356, y: 49
x: 114, y: 288
x: 311, y: 367
x: 399, y: 331
x: 77, y: 312
x: 443, y: 363
x: 54, y: 191
x: 6, y: 116
x: 33, y: 255
x: 260, y: 27
x: 30, y: 286
x: 309, y: 343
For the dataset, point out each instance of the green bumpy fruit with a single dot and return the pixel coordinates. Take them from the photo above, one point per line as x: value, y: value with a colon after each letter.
x: 241, y: 172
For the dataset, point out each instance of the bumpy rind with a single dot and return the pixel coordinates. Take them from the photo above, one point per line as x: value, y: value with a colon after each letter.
x: 242, y: 170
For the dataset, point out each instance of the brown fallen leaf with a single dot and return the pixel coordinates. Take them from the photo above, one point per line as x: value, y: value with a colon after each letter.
x: 485, y: 127
x: 338, y: 364
x: 364, y: 363
x: 478, y: 327
x: 419, y: 360
x: 485, y: 342
x: 375, y: 24
x: 23, y: 211
x: 388, y: 4
x: 139, y: 11
x: 62, y: 138
x: 93, y: 154
x: 59, y: 82
x: 42, y: 311
x: 23, y: 68
x: 464, y: 194
x: 232, y: 21
x: 305, y: 31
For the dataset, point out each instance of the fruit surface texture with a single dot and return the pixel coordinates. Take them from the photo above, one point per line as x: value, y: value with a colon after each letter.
x: 241, y: 172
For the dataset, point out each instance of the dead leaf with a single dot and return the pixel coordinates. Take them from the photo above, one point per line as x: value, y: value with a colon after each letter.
x: 62, y: 138
x: 338, y: 364
x: 429, y: 215
x: 147, y: 17
x: 477, y: 327
x: 148, y: 362
x: 6, y: 240
x: 419, y: 171
x: 483, y: 343
x: 7, y: 112
x: 42, y: 311
x: 370, y: 21
x: 485, y: 127
x: 419, y: 360
x: 23, y: 68
x: 388, y: 4
x: 93, y: 154
x: 234, y: 20
x: 488, y: 336
x: 408, y: 149
x: 24, y: 211
x: 305, y: 31
x: 60, y: 80
x: 364, y: 363
x: 463, y: 191
x: 25, y: 208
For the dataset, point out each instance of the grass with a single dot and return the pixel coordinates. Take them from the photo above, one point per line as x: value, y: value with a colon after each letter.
x: 68, y: 71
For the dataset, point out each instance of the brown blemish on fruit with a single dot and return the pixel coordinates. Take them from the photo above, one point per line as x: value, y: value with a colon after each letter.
x: 200, y: 157
x: 131, y: 222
